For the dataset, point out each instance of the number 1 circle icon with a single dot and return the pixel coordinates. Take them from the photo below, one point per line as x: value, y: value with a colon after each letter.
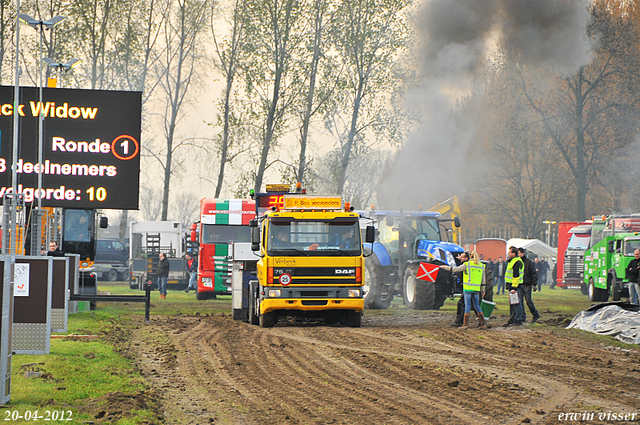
x: 125, y: 147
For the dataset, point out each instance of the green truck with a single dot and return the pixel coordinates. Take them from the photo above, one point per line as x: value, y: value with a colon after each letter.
x: 613, y: 242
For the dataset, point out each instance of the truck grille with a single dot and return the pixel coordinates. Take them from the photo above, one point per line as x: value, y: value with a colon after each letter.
x: 317, y: 275
x: 574, y: 265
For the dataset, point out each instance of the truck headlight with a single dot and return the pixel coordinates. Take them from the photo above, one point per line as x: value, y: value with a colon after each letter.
x: 206, y: 281
x: 274, y: 292
x: 354, y: 293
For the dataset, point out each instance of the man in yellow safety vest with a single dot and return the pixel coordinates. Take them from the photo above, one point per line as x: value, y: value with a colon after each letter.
x: 513, y: 281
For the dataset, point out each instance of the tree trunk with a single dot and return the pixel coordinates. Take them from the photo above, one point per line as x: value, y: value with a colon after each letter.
x: 266, y: 143
x: 582, y: 186
x: 346, y: 151
x: 304, y: 133
x: 225, y: 132
x: 124, y: 219
x: 175, y: 106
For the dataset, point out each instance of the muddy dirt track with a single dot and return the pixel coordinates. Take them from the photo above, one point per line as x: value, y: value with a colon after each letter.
x: 411, y: 368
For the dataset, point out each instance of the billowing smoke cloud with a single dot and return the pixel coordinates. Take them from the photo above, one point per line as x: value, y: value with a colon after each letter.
x: 457, y: 39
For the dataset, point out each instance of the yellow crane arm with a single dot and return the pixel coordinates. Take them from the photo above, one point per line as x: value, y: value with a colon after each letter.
x: 450, y: 206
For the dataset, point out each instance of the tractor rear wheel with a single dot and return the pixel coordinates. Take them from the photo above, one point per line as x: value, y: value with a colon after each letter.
x: 372, y: 288
x: 418, y: 294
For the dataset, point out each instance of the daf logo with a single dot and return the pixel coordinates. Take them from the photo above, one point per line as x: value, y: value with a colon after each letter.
x: 345, y: 271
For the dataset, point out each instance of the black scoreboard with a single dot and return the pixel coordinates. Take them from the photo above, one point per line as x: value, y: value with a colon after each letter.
x: 91, y: 147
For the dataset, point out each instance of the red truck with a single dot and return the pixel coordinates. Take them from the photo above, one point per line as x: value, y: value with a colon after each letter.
x: 222, y: 222
x: 563, y: 242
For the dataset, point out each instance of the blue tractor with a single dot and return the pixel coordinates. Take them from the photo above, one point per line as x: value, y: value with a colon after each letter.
x: 403, y: 241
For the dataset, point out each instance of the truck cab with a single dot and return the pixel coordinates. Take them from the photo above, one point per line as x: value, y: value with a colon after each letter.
x: 222, y: 223
x: 573, y: 273
x: 311, y: 262
x: 616, y: 238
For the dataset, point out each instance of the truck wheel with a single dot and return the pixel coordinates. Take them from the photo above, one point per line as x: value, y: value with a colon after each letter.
x: 352, y: 319
x: 584, y: 289
x: 253, y: 314
x: 124, y: 275
x: 372, y: 288
x: 200, y: 296
x: 268, y: 320
x: 615, y: 293
x: 418, y: 294
x: 112, y: 276
x: 254, y: 307
x: 597, y: 294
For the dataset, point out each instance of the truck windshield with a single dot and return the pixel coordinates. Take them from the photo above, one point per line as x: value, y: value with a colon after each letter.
x: 323, y: 238
x: 579, y: 241
x: 630, y: 245
x: 224, y: 233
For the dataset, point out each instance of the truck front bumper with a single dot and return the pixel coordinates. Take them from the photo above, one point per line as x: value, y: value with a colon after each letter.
x: 311, y: 304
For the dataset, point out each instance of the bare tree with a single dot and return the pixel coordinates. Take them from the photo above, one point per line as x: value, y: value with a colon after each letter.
x: 270, y: 75
x: 228, y: 54
x: 183, y: 27
x: 137, y: 54
x: 7, y: 28
x: 150, y: 203
x: 93, y: 27
x: 522, y: 184
x: 318, y: 46
x: 369, y: 34
x: 592, y: 113
x: 187, y: 206
x: 363, y: 175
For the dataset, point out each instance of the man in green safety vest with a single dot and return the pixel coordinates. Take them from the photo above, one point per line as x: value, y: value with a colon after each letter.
x: 473, y: 286
x: 513, y: 281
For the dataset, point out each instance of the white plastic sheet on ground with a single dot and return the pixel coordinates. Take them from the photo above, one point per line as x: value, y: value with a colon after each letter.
x: 612, y: 320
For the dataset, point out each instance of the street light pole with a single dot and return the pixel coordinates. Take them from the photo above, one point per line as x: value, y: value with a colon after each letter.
x: 548, y: 223
x: 16, y: 138
x: 40, y: 25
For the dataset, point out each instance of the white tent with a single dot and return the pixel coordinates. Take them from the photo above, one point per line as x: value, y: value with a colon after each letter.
x: 534, y: 246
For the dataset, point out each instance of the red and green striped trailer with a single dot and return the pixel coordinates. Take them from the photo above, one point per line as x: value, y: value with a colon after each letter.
x: 222, y: 221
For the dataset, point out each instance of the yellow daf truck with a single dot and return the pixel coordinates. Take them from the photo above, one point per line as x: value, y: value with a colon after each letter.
x: 310, y: 262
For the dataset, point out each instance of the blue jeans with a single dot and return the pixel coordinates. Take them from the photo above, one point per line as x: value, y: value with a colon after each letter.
x: 634, y: 293
x: 500, y: 280
x: 526, y: 292
x: 471, y: 296
x: 162, y: 285
x: 193, y: 277
x: 516, y: 309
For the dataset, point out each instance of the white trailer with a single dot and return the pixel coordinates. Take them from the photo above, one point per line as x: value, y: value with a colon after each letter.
x: 146, y: 240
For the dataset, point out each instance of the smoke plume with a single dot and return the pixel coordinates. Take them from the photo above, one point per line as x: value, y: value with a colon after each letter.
x: 458, y: 39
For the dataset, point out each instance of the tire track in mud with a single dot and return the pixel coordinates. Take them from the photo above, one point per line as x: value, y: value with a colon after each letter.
x: 468, y: 393
x: 310, y: 380
x: 546, y: 377
x: 232, y: 372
